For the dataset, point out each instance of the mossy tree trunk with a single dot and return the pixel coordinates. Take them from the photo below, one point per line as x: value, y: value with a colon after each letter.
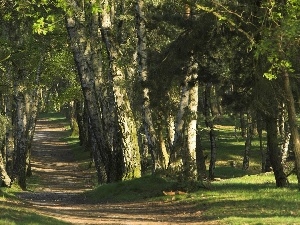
x: 127, y: 139
x: 83, y: 54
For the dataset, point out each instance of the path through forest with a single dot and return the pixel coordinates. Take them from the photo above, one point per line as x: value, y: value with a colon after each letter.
x: 62, y: 182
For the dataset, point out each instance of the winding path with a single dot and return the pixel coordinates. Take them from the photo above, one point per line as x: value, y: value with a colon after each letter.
x: 62, y: 181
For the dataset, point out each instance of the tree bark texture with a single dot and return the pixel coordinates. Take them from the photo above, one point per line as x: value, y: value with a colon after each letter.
x: 4, y: 178
x: 143, y: 76
x: 125, y: 118
x: 126, y: 123
x: 20, y: 151
x: 183, y: 149
x: 82, y: 51
x: 292, y: 116
x: 189, y: 153
x: 274, y: 152
x: 249, y: 128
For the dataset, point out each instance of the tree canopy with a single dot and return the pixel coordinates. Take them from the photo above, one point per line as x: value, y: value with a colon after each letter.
x: 140, y: 80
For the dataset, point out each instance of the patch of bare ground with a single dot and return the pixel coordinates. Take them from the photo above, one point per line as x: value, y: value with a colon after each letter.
x: 62, y: 182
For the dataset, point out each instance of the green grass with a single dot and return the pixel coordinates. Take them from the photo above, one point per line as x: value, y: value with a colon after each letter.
x: 53, y: 116
x: 146, y: 187
x: 15, y: 212
x: 239, y: 198
x: 250, y: 199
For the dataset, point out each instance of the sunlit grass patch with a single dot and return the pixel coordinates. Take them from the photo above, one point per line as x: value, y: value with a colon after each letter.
x: 286, y: 220
x: 53, y: 116
x: 251, y: 199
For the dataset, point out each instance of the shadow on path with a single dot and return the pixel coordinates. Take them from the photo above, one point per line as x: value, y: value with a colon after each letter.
x: 62, y: 184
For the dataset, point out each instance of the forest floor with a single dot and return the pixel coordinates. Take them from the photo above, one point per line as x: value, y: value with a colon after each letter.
x: 62, y: 182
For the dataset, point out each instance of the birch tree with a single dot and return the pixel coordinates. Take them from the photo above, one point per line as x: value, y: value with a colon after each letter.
x: 124, y: 115
x: 83, y: 51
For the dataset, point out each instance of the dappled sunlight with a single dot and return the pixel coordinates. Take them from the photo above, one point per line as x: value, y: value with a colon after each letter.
x: 61, y: 188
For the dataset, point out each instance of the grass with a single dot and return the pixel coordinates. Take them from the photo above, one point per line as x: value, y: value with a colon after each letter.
x: 56, y: 117
x: 239, y: 198
x: 143, y: 188
x: 251, y: 199
x: 15, y: 212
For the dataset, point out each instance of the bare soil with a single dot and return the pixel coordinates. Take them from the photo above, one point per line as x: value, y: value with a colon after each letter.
x: 62, y: 181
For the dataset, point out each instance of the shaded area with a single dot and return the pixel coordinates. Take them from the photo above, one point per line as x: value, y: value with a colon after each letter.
x: 62, y: 184
x: 12, y: 213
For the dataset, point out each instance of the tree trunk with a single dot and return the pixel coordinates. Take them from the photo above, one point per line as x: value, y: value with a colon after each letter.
x: 4, y: 178
x: 128, y: 135
x: 292, y: 115
x: 285, y: 134
x: 83, y: 53
x: 209, y: 124
x: 261, y: 147
x: 178, y: 142
x: 274, y: 152
x: 247, y: 142
x: 213, y: 154
x: 19, y: 166
x: 189, y: 152
x: 99, y: 164
x: 9, y: 137
x: 143, y: 76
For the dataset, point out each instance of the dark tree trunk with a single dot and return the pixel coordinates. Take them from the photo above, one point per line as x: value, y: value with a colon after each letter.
x: 209, y: 124
x: 99, y: 165
x: 243, y: 124
x: 200, y: 160
x: 248, y: 141
x: 213, y: 154
x: 274, y: 152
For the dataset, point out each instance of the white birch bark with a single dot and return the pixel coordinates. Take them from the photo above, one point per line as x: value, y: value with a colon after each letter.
x: 83, y: 55
x: 158, y: 154
x: 189, y: 151
x: 183, y: 151
x: 175, y: 154
x: 124, y: 115
x: 192, y: 125
x: 285, y: 134
x: 19, y: 137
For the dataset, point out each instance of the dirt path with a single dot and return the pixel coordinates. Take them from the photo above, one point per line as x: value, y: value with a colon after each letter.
x: 62, y: 182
